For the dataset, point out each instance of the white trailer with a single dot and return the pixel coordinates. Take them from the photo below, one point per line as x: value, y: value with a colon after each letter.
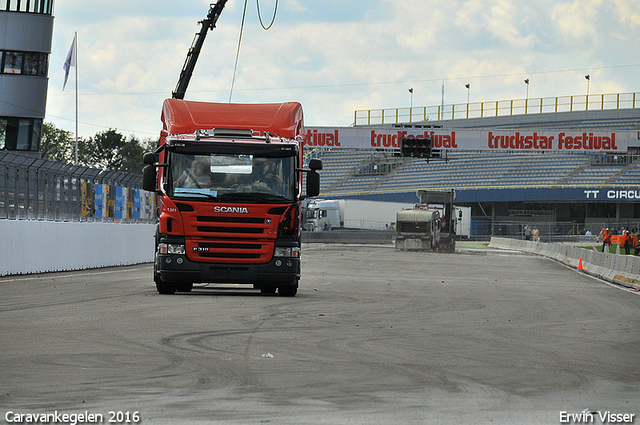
x: 332, y: 214
x: 463, y: 218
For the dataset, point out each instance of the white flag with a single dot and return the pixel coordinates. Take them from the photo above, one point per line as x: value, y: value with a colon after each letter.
x: 71, y: 61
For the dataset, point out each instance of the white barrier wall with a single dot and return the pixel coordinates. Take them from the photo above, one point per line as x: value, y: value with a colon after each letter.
x: 620, y: 269
x: 28, y: 246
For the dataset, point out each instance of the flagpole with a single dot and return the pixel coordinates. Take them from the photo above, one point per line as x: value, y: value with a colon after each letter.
x: 68, y: 63
x: 76, y: 52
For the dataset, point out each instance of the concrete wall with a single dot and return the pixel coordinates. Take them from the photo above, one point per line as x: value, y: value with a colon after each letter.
x: 620, y: 269
x: 350, y: 236
x: 28, y: 246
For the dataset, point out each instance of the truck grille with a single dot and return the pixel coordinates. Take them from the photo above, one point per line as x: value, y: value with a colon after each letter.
x: 212, y: 229
x: 231, y: 238
x: 228, y: 255
x: 230, y: 251
x: 223, y: 219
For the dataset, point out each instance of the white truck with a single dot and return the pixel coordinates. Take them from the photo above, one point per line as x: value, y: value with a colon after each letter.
x: 324, y: 214
x: 334, y: 214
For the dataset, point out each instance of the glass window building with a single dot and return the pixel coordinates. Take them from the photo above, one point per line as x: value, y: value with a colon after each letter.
x: 26, y: 31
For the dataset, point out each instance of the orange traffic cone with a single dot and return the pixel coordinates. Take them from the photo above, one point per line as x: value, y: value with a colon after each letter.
x: 580, y: 265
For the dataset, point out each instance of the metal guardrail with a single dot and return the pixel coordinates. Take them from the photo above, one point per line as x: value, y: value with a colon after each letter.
x: 620, y: 269
x: 35, y: 189
x: 497, y: 108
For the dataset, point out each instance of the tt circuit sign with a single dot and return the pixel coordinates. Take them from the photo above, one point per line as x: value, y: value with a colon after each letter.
x: 611, y: 194
x: 388, y: 138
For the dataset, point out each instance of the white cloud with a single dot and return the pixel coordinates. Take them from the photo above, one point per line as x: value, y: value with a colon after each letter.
x: 337, y: 56
x: 505, y: 22
x: 629, y: 12
x: 576, y: 20
x: 294, y: 6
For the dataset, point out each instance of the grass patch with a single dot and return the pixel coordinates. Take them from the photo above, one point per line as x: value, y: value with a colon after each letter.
x: 473, y: 244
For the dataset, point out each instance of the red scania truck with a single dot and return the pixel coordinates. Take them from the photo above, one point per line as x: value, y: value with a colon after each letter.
x: 229, y: 181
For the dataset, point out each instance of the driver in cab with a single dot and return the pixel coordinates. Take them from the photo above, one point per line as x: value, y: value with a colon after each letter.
x: 196, y: 176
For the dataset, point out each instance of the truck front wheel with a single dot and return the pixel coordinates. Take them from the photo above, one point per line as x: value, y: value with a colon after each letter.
x: 165, y: 288
x: 184, y: 287
x: 287, y: 291
x: 267, y: 289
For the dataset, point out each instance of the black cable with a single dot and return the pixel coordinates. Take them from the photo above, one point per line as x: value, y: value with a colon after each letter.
x: 235, y: 67
x: 275, y: 10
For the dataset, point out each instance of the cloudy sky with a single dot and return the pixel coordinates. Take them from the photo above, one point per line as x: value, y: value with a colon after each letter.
x: 336, y: 56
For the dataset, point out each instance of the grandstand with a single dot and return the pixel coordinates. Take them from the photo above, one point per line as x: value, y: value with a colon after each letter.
x: 470, y: 169
x: 549, y: 188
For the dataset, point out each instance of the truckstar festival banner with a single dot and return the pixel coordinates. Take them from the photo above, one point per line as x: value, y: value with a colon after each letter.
x: 390, y: 138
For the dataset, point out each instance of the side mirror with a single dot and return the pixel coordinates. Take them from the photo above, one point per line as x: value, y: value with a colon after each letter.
x: 149, y: 158
x: 313, y: 182
x: 315, y: 164
x: 149, y: 177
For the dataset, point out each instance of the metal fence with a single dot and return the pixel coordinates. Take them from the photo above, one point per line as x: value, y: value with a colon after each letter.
x: 484, y: 229
x: 35, y: 189
x: 498, y: 108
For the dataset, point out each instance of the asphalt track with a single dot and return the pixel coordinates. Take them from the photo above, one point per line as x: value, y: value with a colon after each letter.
x: 374, y: 336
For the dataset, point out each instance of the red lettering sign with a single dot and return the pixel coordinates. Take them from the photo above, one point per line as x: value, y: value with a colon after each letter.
x: 314, y: 138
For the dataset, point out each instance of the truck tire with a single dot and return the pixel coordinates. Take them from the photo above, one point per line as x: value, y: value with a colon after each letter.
x: 165, y: 288
x: 287, y: 291
x: 184, y: 287
x: 449, y: 247
x: 268, y: 289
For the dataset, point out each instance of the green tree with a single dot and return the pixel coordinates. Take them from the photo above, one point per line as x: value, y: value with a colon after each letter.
x: 56, y: 144
x: 113, y: 151
x: 60, y: 145
x: 131, y: 153
x: 107, y: 149
x: 103, y: 150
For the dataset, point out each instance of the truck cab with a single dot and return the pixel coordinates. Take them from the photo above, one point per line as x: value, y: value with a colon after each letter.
x: 229, y: 182
x: 417, y: 229
x: 323, y: 215
x: 430, y: 224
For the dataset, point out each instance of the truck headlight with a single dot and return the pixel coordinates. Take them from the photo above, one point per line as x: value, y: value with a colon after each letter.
x: 287, y: 252
x: 172, y: 248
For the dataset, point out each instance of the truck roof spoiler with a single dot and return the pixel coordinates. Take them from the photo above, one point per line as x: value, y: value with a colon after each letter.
x: 435, y: 196
x: 277, y: 119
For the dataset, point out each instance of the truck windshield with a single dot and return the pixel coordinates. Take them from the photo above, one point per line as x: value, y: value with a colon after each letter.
x: 232, y: 177
x: 412, y: 226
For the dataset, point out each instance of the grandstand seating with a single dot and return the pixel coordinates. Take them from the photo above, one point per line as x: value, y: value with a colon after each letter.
x: 488, y: 169
x: 631, y: 176
x: 470, y: 169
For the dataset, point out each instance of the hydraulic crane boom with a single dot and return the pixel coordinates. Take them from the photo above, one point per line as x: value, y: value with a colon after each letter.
x: 192, y: 57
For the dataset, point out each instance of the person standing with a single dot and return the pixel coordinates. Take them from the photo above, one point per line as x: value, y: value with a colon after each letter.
x: 622, y: 240
x: 536, y: 234
x: 606, y: 240
x: 627, y: 242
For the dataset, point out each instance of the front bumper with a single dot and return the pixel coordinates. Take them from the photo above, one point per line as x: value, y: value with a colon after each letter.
x: 179, y: 269
x: 417, y: 243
